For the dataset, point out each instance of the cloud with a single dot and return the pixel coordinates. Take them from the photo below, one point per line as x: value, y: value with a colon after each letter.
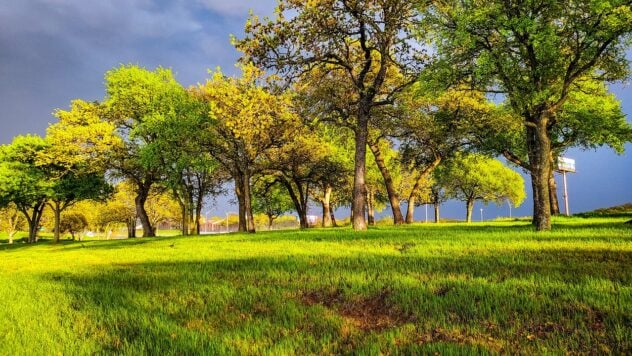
x: 239, y: 8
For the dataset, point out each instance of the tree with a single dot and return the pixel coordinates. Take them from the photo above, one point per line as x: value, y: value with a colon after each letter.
x: 73, y: 223
x: 138, y: 101
x: 23, y: 181
x: 162, y: 208
x: 534, y: 53
x: 11, y: 221
x: 432, y: 127
x: 471, y: 177
x: 590, y: 118
x: 301, y: 166
x: 76, y: 154
x: 363, y: 43
x: 271, y: 199
x: 245, y: 120
x: 190, y: 172
x: 119, y: 209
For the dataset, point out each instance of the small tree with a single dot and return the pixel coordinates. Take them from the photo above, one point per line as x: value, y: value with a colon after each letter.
x: 73, y: 223
x: 245, y: 121
x: 471, y: 177
x: 23, y: 181
x: 11, y: 221
x: 271, y: 199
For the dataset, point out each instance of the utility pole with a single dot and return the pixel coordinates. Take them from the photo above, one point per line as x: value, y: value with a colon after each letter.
x: 566, y: 210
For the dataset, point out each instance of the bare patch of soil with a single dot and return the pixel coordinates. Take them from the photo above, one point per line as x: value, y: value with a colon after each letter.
x: 372, y: 313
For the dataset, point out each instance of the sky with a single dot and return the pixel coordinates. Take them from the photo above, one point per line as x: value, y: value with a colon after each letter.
x: 53, y: 51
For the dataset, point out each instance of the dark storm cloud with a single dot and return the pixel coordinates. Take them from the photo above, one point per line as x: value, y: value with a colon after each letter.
x: 55, y: 50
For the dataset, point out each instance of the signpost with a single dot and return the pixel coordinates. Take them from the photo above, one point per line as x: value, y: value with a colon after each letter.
x: 564, y: 165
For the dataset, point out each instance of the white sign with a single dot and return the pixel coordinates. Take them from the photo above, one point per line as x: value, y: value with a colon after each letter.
x: 566, y: 164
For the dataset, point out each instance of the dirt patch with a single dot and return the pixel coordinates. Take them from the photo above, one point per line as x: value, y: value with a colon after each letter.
x: 372, y: 313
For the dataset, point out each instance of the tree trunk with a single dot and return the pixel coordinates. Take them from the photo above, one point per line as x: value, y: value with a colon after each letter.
x: 333, y: 217
x: 539, y: 150
x: 33, y: 220
x: 141, y: 198
x: 270, y: 221
x: 248, y: 203
x: 358, y: 201
x: 325, y: 202
x: 241, y: 203
x: 185, y: 219
x: 370, y: 207
x: 393, y: 197
x: 437, y: 219
x: 555, y: 205
x: 57, y: 211
x: 198, y: 215
x: 469, y: 204
x: 131, y: 228
x: 410, y: 211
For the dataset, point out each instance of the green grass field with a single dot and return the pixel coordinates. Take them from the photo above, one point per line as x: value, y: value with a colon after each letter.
x: 451, y: 288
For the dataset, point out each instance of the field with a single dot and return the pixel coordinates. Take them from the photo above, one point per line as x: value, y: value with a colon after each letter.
x: 449, y: 288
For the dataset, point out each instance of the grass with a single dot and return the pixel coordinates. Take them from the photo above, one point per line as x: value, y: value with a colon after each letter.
x: 450, y: 288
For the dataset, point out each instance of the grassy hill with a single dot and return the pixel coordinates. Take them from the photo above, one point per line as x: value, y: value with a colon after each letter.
x: 450, y: 288
x: 624, y: 210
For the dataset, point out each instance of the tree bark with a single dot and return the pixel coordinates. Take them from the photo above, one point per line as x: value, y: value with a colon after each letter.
x: 555, y: 205
x: 270, y: 221
x: 333, y: 217
x: 370, y: 207
x: 410, y: 211
x: 241, y: 203
x: 393, y: 197
x: 198, y: 214
x: 248, y: 203
x: 358, y: 200
x: 141, y: 198
x: 437, y: 218
x: 57, y: 211
x: 325, y: 202
x: 539, y: 150
x: 469, y: 204
x: 33, y: 220
x: 131, y: 228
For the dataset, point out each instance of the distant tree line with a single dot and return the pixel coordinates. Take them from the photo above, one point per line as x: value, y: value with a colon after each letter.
x: 367, y: 104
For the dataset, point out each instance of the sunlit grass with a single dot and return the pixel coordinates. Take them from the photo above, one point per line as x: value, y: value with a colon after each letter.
x: 450, y: 288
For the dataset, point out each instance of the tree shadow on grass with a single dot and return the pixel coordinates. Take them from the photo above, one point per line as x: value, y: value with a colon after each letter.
x: 508, y: 302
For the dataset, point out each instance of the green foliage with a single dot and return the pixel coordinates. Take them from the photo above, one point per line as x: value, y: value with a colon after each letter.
x: 271, y: 199
x: 11, y: 220
x: 73, y: 223
x: 471, y: 177
x: 23, y: 180
x: 452, y: 289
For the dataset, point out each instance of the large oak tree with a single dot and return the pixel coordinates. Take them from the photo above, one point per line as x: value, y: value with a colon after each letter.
x: 360, y: 42
x: 534, y: 53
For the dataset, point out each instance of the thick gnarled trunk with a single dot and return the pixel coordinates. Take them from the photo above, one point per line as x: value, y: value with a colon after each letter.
x: 393, y: 197
x: 539, y: 150
x: 141, y: 197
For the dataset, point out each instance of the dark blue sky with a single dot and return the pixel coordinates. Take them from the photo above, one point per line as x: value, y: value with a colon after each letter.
x: 52, y: 51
